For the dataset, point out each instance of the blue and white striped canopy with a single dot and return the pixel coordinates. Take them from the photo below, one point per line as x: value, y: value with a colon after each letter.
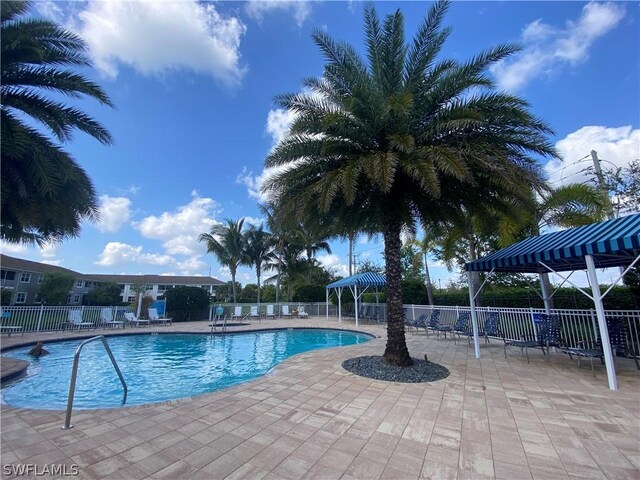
x: 612, y: 243
x: 367, y: 279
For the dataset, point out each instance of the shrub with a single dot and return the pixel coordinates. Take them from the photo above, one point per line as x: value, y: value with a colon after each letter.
x: 187, y: 303
x: 310, y: 293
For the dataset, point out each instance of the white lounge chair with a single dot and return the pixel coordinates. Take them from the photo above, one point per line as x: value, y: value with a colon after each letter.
x: 237, y: 312
x: 270, y: 312
x: 155, y: 318
x: 285, y: 311
x: 75, y: 320
x: 106, y: 318
x: 133, y: 320
x: 254, y: 312
x: 302, y: 313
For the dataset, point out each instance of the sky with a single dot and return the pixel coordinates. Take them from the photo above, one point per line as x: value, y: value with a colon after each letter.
x: 194, y: 85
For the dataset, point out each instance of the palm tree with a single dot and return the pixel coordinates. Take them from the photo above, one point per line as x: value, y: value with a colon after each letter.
x: 402, y: 139
x: 45, y: 193
x: 227, y: 243
x: 311, y: 241
x: 426, y: 245
x: 258, y: 249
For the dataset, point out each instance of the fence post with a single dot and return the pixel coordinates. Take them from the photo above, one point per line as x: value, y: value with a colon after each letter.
x: 40, y: 317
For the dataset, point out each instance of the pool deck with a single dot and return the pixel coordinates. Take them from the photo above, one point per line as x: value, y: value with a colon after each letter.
x: 309, y: 418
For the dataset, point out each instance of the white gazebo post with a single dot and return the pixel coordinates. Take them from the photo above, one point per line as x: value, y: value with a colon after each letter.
x: 602, y: 323
x: 339, y: 289
x: 355, y: 296
x: 474, y: 316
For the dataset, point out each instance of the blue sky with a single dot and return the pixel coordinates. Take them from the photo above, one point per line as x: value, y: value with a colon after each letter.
x: 194, y: 83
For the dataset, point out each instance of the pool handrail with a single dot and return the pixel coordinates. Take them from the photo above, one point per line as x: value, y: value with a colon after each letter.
x: 74, y: 373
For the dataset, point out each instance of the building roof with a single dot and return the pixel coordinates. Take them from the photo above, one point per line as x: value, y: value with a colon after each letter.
x: 361, y: 279
x: 13, y: 263
x: 611, y: 243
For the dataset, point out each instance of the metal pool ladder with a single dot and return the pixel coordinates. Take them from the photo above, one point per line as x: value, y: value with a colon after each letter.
x: 74, y: 373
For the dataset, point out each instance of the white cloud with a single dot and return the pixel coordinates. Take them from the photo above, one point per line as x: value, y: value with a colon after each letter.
x: 13, y: 248
x: 114, y: 212
x: 159, y: 37
x: 253, y: 221
x: 278, y: 124
x: 254, y: 183
x: 332, y: 263
x: 616, y: 147
x: 300, y: 9
x: 548, y: 48
x: 180, y: 229
x: 117, y: 253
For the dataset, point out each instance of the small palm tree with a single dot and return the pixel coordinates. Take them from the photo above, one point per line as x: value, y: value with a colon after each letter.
x: 226, y: 241
x: 402, y: 139
x: 258, y: 250
x: 45, y: 193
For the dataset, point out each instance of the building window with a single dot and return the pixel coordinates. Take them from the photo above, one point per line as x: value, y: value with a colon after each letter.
x: 7, y: 275
x: 21, y: 297
x: 25, y: 278
x: 76, y: 299
x: 40, y: 279
x: 79, y: 284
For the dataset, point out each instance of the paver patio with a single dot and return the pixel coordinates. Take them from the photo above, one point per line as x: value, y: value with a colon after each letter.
x: 309, y: 418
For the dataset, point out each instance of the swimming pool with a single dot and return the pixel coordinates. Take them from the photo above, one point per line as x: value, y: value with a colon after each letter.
x: 159, y: 367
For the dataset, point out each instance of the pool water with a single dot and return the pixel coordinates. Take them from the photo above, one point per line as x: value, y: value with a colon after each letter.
x: 159, y: 367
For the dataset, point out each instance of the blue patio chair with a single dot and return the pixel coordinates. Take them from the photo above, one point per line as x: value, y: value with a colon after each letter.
x: 416, y: 324
x: 435, y: 325
x: 618, y: 337
x: 492, y: 326
x: 547, y: 336
x: 462, y: 327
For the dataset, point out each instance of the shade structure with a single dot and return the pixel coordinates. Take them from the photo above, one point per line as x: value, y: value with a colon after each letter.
x: 358, y: 284
x: 613, y: 243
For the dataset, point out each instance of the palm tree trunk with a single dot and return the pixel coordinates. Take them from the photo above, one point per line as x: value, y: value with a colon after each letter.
x: 258, y: 276
x: 351, y: 239
x: 427, y: 278
x: 544, y: 278
x: 396, y: 352
x: 233, y: 283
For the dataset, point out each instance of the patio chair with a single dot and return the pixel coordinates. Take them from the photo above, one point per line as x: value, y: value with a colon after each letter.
x: 253, y: 313
x: 237, y: 312
x: 106, y: 319
x: 492, y: 326
x: 75, y: 320
x: 547, y: 336
x: 461, y: 327
x: 131, y: 319
x: 270, y: 312
x: 285, y: 311
x: 9, y: 329
x: 420, y: 322
x: 155, y: 318
x: 302, y: 313
x: 435, y: 325
x: 618, y: 337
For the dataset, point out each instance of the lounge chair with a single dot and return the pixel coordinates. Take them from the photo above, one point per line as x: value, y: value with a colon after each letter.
x: 9, y: 329
x: 155, y: 318
x: 461, y: 327
x: 420, y: 322
x: 254, y: 312
x: 75, y: 320
x: 547, y: 336
x: 285, y: 311
x: 618, y: 337
x: 237, y: 312
x: 270, y: 312
x: 106, y: 319
x: 492, y: 326
x: 302, y: 313
x: 133, y: 320
x: 435, y: 325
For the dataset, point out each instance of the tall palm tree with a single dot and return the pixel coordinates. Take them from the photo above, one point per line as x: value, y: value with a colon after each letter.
x: 258, y: 249
x: 45, y: 193
x: 226, y: 241
x: 311, y: 241
x: 402, y: 139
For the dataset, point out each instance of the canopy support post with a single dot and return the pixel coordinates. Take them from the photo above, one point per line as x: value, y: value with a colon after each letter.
x: 339, y: 289
x: 327, y: 304
x: 474, y: 315
x: 602, y: 323
x: 545, y: 294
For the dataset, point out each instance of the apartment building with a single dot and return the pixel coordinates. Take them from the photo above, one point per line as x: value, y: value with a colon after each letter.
x: 23, y: 279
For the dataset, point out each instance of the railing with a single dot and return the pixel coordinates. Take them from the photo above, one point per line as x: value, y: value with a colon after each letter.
x: 74, y: 374
x: 44, y: 318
